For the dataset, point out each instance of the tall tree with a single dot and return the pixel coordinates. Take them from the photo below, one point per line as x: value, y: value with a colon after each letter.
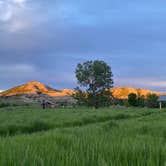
x: 96, y: 79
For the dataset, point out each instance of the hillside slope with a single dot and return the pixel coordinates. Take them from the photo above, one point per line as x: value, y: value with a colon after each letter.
x: 34, y: 87
x: 123, y: 92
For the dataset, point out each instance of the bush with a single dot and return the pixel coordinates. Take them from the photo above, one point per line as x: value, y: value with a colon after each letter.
x: 132, y: 99
x: 126, y: 104
x: 152, y: 101
x: 141, y: 101
x: 2, y: 105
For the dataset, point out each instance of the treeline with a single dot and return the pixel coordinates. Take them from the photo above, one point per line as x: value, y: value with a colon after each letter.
x: 134, y: 100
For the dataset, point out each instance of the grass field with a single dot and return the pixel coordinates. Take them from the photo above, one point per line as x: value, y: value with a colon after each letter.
x: 83, y: 137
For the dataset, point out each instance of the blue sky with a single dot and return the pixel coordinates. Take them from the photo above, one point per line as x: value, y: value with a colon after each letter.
x: 44, y: 40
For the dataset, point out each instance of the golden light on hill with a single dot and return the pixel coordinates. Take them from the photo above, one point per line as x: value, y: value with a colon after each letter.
x: 123, y: 92
x: 34, y: 87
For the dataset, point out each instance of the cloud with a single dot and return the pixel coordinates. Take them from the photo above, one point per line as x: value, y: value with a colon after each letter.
x: 52, y: 36
x: 152, y: 83
x: 19, y: 2
x: 13, y: 15
x: 142, y: 82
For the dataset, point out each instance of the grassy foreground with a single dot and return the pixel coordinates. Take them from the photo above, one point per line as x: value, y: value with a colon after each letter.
x: 83, y: 137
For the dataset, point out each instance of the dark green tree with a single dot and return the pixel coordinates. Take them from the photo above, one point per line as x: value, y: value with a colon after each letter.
x: 141, y: 101
x: 132, y: 99
x: 152, y: 101
x: 96, y: 79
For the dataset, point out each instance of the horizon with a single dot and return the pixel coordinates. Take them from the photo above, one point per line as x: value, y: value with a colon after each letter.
x: 45, y: 41
x: 73, y: 88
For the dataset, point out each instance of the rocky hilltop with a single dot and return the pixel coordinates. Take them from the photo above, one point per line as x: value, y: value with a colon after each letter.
x: 34, y: 87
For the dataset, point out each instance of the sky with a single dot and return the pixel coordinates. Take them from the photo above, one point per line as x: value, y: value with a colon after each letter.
x: 44, y: 40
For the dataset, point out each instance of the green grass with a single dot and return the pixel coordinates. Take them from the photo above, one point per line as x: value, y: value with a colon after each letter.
x: 83, y: 137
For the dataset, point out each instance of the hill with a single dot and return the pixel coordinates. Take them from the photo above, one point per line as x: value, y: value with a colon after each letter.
x: 37, y: 88
x: 123, y: 92
x: 34, y: 87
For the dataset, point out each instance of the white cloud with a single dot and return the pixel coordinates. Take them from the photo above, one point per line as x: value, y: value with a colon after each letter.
x: 6, y: 14
x: 17, y: 25
x: 13, y: 15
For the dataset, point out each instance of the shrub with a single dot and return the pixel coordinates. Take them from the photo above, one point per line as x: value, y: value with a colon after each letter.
x: 132, y: 99
x: 151, y: 101
x: 2, y: 105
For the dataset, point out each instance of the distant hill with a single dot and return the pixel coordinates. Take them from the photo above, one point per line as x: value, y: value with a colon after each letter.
x: 34, y: 87
x: 123, y: 92
x: 38, y: 88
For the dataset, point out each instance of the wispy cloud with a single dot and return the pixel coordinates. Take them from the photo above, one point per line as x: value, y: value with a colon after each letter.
x: 142, y: 82
x: 17, y: 69
x: 19, y: 2
x: 12, y: 15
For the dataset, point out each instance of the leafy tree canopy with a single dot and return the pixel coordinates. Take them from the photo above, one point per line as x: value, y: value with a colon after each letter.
x: 96, y: 78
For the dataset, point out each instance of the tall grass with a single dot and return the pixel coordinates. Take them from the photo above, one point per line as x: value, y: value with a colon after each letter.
x: 83, y: 137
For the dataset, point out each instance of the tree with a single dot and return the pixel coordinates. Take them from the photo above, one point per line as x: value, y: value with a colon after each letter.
x: 141, y: 101
x: 132, y: 99
x: 80, y: 96
x: 151, y: 101
x: 96, y: 78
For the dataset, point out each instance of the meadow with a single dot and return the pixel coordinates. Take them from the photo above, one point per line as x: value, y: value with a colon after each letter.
x: 83, y: 137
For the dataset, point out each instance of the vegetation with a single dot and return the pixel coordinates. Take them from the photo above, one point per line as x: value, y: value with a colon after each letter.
x: 132, y: 99
x: 71, y: 137
x: 151, y: 101
x: 112, y: 136
x: 141, y: 101
x: 15, y: 104
x: 96, y: 78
